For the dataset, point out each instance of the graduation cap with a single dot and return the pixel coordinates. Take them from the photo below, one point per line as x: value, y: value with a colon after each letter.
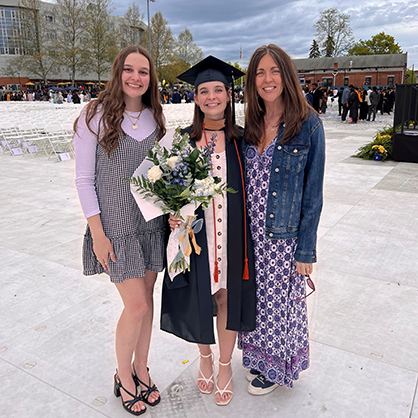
x: 212, y: 69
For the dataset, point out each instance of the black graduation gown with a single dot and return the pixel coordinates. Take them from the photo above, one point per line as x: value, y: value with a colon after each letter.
x: 186, y: 306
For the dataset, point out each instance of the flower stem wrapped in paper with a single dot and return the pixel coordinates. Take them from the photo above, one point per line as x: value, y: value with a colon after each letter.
x: 176, y: 178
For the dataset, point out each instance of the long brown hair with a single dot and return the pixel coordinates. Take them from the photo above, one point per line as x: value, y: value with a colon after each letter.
x: 231, y: 129
x: 295, y: 107
x: 113, y: 105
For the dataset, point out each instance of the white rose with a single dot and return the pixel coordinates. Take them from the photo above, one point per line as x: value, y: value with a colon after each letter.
x: 171, y: 162
x: 154, y: 174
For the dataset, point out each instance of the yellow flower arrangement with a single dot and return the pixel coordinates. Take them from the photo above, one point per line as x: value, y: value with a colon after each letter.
x: 380, y: 149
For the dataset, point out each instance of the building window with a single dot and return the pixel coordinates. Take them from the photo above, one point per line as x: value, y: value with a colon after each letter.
x: 6, y: 51
x: 49, y: 18
x: 391, y: 78
x: 14, y: 16
x: 368, y: 81
x: 4, y: 32
x: 327, y: 81
x: 2, y: 15
x: 346, y: 81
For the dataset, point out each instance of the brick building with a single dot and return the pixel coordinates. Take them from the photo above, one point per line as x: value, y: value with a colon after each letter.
x: 359, y: 70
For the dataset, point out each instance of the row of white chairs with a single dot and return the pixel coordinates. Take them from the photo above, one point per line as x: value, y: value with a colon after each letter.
x: 30, y: 139
x: 33, y: 128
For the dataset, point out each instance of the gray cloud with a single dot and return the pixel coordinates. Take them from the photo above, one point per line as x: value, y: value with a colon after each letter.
x: 221, y: 27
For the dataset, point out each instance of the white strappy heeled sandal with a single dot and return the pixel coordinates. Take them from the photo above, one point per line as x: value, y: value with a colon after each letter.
x: 205, y: 379
x: 224, y: 390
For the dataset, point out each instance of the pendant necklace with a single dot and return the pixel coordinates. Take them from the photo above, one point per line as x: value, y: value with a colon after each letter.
x: 134, y: 124
x: 273, y: 127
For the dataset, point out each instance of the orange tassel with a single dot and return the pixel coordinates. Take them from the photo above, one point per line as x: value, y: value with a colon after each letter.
x: 246, y: 275
x: 216, y: 272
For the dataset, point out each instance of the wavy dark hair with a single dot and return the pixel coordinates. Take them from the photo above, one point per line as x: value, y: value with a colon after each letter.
x: 113, y: 105
x: 231, y: 129
x: 295, y: 107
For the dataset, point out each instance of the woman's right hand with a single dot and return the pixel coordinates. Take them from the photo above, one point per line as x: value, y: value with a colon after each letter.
x: 103, y: 249
x: 174, y: 222
x: 101, y: 244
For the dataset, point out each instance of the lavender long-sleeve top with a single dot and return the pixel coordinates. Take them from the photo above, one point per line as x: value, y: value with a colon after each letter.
x: 85, y: 143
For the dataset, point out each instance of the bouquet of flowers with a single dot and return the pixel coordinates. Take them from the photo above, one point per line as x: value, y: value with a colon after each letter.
x: 176, y: 178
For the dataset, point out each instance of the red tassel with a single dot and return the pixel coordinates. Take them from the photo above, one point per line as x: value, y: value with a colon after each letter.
x: 246, y: 275
x: 216, y: 272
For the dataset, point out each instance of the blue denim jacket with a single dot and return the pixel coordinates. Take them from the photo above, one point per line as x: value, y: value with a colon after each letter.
x: 294, y: 201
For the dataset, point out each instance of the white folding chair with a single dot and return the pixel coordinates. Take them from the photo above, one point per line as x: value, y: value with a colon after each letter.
x: 58, y: 142
x: 31, y: 140
x: 10, y: 139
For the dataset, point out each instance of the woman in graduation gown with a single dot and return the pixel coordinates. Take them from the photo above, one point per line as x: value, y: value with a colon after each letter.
x: 221, y: 278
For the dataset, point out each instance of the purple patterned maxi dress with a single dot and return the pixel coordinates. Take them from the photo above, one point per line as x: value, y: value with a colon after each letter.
x: 279, y: 345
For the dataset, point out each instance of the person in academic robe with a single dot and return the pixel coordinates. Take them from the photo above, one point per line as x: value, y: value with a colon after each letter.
x: 222, y: 277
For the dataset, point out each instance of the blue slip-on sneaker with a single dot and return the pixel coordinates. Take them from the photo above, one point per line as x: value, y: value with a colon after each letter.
x: 252, y: 374
x: 261, y: 386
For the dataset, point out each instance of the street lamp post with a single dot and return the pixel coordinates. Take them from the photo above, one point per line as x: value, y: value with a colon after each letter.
x: 149, y: 28
x: 18, y: 73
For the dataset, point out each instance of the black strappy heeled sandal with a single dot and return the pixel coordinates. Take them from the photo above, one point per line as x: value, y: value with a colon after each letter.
x: 145, y: 394
x: 127, y: 405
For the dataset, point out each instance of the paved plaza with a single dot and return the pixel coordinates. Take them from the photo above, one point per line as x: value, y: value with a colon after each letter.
x: 57, y: 327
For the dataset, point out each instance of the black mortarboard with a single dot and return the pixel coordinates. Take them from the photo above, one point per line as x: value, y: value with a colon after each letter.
x: 210, y: 69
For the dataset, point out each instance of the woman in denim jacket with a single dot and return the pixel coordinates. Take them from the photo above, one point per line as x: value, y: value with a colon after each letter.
x: 285, y: 155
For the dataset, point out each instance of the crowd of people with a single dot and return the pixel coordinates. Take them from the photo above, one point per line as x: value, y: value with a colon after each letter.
x: 354, y: 102
x: 177, y: 95
x: 257, y: 246
x: 56, y: 96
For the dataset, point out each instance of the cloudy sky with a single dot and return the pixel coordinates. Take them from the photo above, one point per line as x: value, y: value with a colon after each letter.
x: 221, y: 27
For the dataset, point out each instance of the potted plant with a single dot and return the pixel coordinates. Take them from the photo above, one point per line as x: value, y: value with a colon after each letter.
x: 380, y: 153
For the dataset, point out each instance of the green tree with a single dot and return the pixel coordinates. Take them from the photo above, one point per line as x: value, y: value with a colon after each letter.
x: 69, y: 45
x: 34, y: 36
x: 170, y: 71
x: 132, y: 27
x: 329, y: 47
x: 335, y: 25
x: 379, y: 44
x: 162, y: 43
x: 410, y: 77
x: 100, y: 42
x: 314, y: 51
x: 240, y: 80
x: 186, y: 50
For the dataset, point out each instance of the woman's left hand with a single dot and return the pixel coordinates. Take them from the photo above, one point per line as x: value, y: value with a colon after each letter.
x: 304, y: 268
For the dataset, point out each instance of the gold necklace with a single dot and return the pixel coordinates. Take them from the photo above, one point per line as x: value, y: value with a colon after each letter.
x: 134, y: 124
x: 273, y: 127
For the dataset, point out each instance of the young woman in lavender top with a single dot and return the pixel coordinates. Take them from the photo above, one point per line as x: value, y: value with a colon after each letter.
x: 285, y: 155
x: 112, y: 137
